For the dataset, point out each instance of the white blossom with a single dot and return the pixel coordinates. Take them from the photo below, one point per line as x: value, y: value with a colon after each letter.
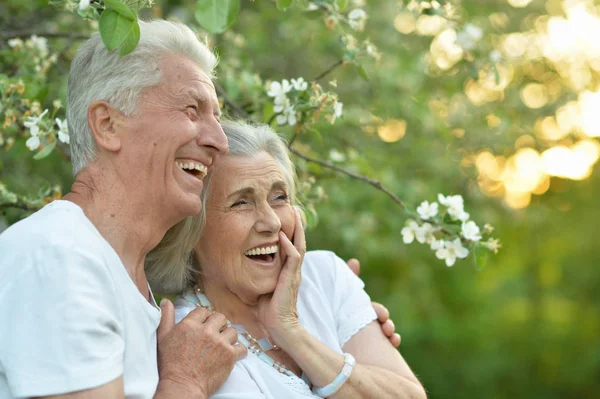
x: 493, y: 245
x: 488, y: 228
x: 450, y: 250
x: 470, y: 231
x: 495, y: 56
x: 287, y: 116
x: 312, y: 7
x: 336, y: 156
x: 337, y: 109
x: 41, y: 43
x: 33, y: 143
x: 357, y: 19
x: 299, y: 84
x: 32, y: 123
x: 409, y: 231
x: 469, y: 36
x: 16, y: 42
x: 281, y: 103
x: 84, y: 4
x: 279, y: 89
x: 455, y: 204
x: 425, y: 233
x: 63, y: 131
x: 427, y: 210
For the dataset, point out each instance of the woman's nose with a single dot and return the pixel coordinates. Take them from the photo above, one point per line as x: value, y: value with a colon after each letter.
x: 268, y: 221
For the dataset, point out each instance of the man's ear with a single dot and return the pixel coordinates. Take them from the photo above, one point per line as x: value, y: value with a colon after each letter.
x: 104, y: 121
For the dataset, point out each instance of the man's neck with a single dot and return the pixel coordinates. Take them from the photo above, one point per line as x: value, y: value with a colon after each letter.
x: 125, y: 221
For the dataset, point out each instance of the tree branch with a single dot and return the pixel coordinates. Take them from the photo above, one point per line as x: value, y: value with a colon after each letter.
x: 329, y: 70
x: 365, y: 179
x: 239, y: 111
x: 25, y: 34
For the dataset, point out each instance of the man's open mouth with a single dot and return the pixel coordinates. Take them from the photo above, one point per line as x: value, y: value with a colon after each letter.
x: 194, y: 168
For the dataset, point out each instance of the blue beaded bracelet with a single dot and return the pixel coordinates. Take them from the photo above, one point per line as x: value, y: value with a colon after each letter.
x: 339, y: 380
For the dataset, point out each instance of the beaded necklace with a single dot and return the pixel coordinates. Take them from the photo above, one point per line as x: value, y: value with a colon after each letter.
x: 258, y: 347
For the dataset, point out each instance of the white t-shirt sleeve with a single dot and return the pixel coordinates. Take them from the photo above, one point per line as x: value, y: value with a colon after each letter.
x: 61, y: 330
x: 350, y: 304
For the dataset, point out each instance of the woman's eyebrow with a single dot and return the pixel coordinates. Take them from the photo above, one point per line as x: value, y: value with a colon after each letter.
x: 241, y: 192
x: 279, y: 185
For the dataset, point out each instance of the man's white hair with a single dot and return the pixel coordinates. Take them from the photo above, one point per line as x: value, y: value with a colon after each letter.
x: 99, y: 75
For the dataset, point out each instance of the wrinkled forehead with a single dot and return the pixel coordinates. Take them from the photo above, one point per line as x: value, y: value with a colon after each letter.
x: 236, y: 172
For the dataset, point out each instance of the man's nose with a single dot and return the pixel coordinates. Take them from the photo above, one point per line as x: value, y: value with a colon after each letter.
x: 214, y: 138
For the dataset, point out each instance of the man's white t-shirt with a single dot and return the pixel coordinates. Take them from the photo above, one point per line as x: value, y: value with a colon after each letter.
x: 332, y: 306
x: 71, y: 318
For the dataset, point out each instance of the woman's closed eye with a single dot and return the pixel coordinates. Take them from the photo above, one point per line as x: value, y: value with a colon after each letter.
x: 240, y: 202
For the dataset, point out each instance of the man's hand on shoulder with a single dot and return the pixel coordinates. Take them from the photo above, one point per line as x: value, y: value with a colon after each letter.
x: 196, y: 356
x: 383, y: 314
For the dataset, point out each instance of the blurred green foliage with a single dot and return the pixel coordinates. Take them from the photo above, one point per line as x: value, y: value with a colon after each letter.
x: 527, y: 326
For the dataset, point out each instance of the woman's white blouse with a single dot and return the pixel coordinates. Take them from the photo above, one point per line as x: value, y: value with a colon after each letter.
x: 332, y: 306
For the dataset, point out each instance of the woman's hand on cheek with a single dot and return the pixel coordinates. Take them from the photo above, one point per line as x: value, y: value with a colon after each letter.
x: 278, y: 310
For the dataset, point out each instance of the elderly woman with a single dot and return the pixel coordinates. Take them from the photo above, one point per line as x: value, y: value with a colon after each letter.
x: 305, y: 318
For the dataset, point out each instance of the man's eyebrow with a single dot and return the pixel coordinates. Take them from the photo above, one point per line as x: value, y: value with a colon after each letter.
x: 203, y: 99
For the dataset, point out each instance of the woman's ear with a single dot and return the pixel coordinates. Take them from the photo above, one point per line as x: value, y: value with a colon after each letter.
x: 102, y: 119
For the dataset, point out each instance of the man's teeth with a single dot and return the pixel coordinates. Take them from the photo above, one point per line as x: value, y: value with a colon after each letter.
x: 192, y: 166
x: 263, y: 251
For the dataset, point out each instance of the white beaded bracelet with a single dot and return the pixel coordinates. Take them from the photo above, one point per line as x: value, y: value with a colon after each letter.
x: 339, y: 380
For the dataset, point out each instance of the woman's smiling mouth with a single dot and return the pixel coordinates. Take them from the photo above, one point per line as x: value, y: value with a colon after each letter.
x: 264, y: 254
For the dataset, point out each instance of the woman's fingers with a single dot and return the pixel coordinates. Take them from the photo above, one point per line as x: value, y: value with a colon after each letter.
x: 299, y: 237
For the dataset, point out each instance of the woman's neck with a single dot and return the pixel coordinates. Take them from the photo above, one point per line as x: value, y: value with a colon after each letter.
x: 242, y: 311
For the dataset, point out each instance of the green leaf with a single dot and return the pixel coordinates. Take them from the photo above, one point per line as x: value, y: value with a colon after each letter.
x: 131, y: 40
x: 362, y: 72
x: 216, y: 16
x: 342, y: 4
x: 481, y: 255
x: 117, y: 30
x: 47, y: 150
x: 283, y: 4
x: 121, y: 8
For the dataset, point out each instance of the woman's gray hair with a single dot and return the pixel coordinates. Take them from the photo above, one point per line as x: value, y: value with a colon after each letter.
x: 99, y: 75
x: 171, y: 266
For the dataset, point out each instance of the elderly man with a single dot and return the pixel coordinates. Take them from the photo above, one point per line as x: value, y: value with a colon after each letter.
x: 77, y: 313
x: 78, y: 316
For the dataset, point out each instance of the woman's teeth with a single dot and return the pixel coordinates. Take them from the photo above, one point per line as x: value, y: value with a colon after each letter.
x: 263, y: 251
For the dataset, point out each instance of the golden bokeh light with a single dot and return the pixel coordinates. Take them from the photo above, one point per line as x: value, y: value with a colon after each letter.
x: 430, y: 25
x: 561, y: 161
x: 528, y: 172
x: 405, y: 23
x: 519, y: 3
x: 589, y: 105
x: 517, y: 200
x: 548, y: 129
x: 534, y: 95
x: 392, y: 131
x: 444, y: 50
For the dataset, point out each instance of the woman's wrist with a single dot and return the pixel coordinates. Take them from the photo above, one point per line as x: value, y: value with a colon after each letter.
x: 287, y: 335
